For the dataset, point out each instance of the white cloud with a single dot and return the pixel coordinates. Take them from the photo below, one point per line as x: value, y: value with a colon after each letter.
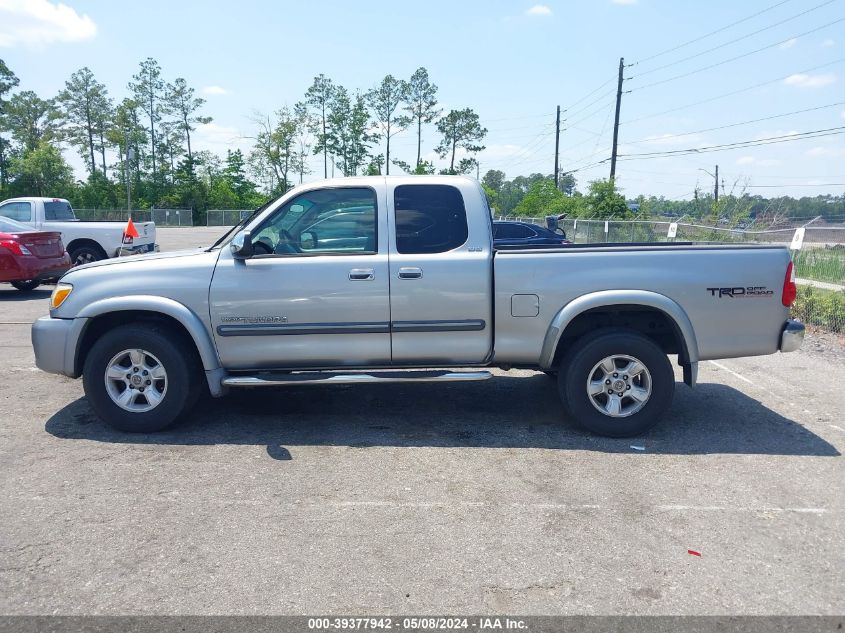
x: 539, y: 9
x: 788, y: 43
x: 218, y: 138
x: 803, y: 80
x: 827, y: 43
x: 34, y: 23
x: 214, y: 90
x: 821, y: 151
x: 624, y: 1
x: 745, y: 160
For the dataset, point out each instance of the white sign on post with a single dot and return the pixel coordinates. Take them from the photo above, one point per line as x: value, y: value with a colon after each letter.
x: 673, y: 230
x: 575, y: 225
x: 797, y: 240
x: 606, y: 223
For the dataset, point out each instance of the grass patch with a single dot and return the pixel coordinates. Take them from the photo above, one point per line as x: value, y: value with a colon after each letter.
x: 821, y: 264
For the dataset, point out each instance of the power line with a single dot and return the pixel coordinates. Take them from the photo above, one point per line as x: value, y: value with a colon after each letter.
x: 733, y: 59
x: 589, y: 94
x: 732, y: 93
x: 706, y: 35
x: 739, y: 144
x: 730, y: 125
x: 738, y: 39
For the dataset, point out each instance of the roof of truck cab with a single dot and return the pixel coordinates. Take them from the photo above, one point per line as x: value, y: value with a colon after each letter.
x: 34, y: 199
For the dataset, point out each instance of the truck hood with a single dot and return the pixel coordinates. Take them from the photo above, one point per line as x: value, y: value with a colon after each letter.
x: 138, y: 259
x: 182, y: 276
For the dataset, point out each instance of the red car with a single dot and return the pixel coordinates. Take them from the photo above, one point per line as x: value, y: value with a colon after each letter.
x: 27, y: 257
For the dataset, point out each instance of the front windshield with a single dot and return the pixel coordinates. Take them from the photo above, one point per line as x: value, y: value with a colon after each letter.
x: 10, y: 226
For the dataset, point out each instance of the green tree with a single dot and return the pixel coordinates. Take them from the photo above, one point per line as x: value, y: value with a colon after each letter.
x: 85, y: 106
x: 8, y: 81
x: 460, y: 129
x: 544, y: 199
x: 182, y: 104
x: 349, y: 137
x: 148, y: 92
x: 603, y: 201
x: 304, y: 139
x: 319, y: 97
x: 31, y: 119
x: 494, y: 179
x: 421, y: 103
x: 275, y: 146
x: 384, y: 100
x: 43, y: 171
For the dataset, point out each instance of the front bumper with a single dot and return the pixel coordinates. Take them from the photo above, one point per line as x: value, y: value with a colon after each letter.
x: 55, y: 342
x: 123, y: 251
x: 792, y: 336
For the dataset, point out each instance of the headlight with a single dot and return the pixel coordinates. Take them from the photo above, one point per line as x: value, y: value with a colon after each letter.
x: 60, y: 293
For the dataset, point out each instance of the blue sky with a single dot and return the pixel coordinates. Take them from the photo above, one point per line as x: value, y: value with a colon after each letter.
x: 512, y: 62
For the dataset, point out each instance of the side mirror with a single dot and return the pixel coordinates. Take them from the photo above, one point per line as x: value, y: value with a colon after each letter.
x: 308, y: 240
x: 241, y: 245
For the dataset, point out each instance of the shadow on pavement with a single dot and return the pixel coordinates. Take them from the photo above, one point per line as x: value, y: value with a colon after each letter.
x: 8, y: 294
x: 517, y: 412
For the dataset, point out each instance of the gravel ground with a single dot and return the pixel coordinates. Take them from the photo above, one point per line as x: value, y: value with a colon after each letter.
x: 459, y: 498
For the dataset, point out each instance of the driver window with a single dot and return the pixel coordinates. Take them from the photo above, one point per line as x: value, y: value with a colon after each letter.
x: 340, y: 221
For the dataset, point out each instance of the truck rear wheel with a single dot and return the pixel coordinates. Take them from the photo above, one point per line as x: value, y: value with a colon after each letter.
x: 141, y: 378
x: 85, y: 255
x: 616, y: 383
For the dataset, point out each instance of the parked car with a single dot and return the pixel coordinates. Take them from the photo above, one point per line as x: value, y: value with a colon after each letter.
x: 426, y: 289
x: 512, y: 233
x: 85, y: 241
x: 27, y: 257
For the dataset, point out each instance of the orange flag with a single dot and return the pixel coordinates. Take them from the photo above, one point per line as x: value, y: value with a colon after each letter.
x: 130, y: 230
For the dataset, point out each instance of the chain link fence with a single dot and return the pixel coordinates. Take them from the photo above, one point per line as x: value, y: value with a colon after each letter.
x: 161, y: 217
x: 819, y: 264
x: 225, y: 217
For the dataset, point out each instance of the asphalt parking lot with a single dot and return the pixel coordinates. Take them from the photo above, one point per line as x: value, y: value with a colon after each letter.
x: 456, y: 498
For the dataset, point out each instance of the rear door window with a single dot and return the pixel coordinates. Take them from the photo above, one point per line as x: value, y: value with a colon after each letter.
x: 429, y: 218
x: 58, y: 210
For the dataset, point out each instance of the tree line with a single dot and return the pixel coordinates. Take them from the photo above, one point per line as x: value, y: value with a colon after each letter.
x: 536, y: 196
x: 142, y: 145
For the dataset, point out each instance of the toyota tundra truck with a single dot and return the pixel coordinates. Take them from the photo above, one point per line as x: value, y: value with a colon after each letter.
x: 395, y: 279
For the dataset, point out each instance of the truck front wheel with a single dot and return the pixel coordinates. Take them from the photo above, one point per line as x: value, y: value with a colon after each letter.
x: 616, y: 382
x: 140, y: 378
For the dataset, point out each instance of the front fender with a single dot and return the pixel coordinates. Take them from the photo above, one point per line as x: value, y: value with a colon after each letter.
x: 603, y: 298
x: 163, y: 305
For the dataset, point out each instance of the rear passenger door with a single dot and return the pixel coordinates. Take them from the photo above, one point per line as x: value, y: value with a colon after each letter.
x: 440, y: 278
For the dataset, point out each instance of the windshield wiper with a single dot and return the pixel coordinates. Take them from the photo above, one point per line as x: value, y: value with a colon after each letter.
x: 246, y: 220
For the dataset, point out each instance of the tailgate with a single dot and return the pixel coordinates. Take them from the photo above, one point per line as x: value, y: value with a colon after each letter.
x: 43, y: 244
x: 146, y: 233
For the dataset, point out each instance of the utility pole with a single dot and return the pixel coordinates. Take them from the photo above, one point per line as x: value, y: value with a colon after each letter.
x: 716, y: 189
x: 616, y: 120
x: 557, y: 146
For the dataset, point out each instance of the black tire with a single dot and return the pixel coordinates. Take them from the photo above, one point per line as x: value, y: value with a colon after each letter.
x: 26, y: 286
x: 184, y: 376
x: 85, y: 255
x: 551, y: 373
x: 577, y: 368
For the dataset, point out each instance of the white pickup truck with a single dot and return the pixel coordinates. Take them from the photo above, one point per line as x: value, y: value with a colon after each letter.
x: 85, y: 241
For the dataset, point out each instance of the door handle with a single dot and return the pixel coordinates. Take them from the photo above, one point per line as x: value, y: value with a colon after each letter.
x: 361, y: 274
x: 410, y: 273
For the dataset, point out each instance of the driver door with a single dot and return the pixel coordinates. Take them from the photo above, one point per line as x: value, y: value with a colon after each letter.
x: 316, y: 294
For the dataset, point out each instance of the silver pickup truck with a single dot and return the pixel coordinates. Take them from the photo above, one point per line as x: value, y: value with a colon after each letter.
x: 395, y: 279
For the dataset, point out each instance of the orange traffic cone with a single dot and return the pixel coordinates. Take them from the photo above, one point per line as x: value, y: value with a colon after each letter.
x: 130, y: 230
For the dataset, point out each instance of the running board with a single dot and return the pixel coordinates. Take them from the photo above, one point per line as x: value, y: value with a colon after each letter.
x: 270, y: 379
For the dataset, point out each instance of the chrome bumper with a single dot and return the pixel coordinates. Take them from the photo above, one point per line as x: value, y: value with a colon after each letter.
x: 123, y: 251
x: 54, y: 342
x: 792, y: 336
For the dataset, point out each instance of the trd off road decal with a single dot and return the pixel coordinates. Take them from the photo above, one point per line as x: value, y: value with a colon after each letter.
x: 740, y: 292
